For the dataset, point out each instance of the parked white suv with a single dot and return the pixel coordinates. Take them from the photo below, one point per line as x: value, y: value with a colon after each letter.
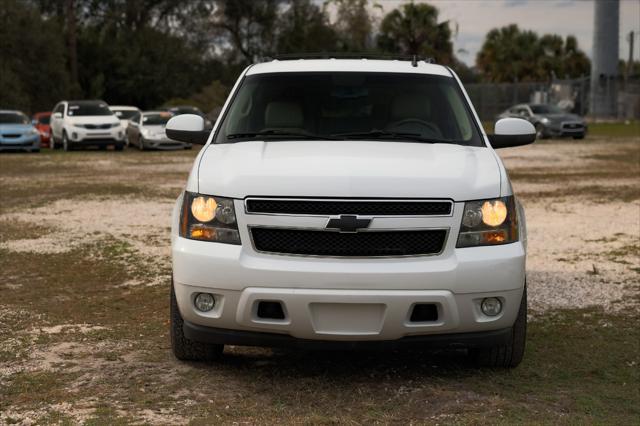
x: 85, y: 123
x: 349, y: 202
x: 125, y: 113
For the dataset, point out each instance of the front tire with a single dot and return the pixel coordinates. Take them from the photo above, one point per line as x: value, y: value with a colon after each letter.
x: 511, y: 354
x: 141, y: 143
x: 66, y: 144
x: 540, y: 133
x: 186, y: 349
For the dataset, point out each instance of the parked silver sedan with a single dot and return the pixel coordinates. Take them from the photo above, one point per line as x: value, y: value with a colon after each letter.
x: 146, y: 131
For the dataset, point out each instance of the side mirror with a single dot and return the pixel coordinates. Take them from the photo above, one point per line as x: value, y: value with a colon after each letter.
x: 57, y: 115
x: 187, y: 128
x: 510, y: 132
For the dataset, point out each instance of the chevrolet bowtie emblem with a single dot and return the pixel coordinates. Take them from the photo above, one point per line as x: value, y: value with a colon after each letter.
x: 348, y: 223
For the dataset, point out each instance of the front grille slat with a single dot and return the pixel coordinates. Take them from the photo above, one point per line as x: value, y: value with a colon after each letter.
x: 360, y: 244
x: 338, y: 207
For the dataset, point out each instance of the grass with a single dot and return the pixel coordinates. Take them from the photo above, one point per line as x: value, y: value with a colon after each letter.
x: 629, y: 129
x: 615, y: 130
x: 581, y: 365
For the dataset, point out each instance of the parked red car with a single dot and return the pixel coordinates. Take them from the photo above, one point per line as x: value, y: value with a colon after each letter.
x: 41, y: 122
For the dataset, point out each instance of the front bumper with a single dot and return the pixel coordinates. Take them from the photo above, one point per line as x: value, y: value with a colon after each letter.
x: 86, y: 137
x: 164, y: 144
x: 22, y: 143
x: 347, y: 299
x: 249, y: 338
x: 560, y: 130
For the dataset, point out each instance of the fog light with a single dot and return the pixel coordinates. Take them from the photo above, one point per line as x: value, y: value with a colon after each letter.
x: 491, y: 306
x: 204, y: 302
x: 74, y: 135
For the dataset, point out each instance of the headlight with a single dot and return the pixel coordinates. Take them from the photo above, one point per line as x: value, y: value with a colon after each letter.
x: 488, y: 222
x: 34, y: 131
x: 208, y: 218
x: 544, y: 120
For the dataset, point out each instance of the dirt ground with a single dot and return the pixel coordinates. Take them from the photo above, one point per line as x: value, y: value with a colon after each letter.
x: 84, y: 278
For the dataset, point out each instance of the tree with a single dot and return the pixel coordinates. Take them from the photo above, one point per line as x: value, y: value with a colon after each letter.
x: 33, y: 75
x: 304, y: 27
x: 248, y: 26
x: 575, y: 62
x: 413, y: 29
x: 210, y: 98
x: 510, y: 54
x: 354, y: 25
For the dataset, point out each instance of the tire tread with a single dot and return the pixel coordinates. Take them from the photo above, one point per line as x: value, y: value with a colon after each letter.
x: 186, y: 349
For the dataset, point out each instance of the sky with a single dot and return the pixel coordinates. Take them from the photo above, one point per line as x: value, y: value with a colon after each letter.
x: 474, y: 18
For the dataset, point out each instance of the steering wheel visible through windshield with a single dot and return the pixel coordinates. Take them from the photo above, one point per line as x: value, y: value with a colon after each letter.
x: 349, y: 105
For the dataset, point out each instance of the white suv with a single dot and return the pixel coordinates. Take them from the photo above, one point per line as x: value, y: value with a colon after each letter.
x: 85, y: 123
x: 349, y: 203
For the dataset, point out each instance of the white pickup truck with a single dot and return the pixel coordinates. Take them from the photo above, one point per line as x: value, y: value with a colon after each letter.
x: 349, y: 203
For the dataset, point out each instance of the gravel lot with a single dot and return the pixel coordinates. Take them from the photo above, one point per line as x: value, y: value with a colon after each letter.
x: 84, y: 261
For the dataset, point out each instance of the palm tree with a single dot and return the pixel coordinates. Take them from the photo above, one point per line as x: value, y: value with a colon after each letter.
x: 510, y: 54
x: 413, y: 29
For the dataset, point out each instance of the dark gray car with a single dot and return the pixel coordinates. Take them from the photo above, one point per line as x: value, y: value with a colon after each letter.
x: 146, y: 130
x: 549, y: 120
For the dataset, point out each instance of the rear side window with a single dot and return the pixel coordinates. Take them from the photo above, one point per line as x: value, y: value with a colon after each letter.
x: 332, y: 104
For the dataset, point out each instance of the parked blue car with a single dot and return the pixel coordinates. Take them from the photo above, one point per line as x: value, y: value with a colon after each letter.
x: 17, y: 132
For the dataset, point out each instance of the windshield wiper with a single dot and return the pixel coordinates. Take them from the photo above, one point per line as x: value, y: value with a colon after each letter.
x: 278, y: 134
x: 382, y: 134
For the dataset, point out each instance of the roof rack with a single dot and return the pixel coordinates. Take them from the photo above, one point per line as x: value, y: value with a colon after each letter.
x: 350, y: 55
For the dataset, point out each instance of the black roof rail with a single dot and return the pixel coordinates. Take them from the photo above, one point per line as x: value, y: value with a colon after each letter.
x: 349, y: 55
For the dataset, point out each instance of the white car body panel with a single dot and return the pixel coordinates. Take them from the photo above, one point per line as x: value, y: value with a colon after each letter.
x: 348, y: 65
x: 341, y: 169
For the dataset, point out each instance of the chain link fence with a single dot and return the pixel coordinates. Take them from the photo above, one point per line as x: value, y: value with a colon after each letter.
x: 491, y: 99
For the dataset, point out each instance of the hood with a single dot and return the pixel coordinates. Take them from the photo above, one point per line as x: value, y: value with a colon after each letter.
x: 94, y: 119
x: 15, y: 128
x: 348, y: 169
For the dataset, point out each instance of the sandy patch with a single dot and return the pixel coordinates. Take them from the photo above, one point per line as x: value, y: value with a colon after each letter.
x: 66, y: 328
x: 142, y: 224
x: 581, y: 254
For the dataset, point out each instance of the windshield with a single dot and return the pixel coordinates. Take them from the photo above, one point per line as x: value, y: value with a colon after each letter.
x: 13, y: 118
x: 546, y: 109
x: 349, y: 105
x: 76, y: 109
x: 155, y: 119
x: 44, y: 119
x: 124, y: 114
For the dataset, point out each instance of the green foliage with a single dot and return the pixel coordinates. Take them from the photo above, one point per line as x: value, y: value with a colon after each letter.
x: 413, y: 29
x: 248, y: 25
x: 32, y: 67
x: 210, y: 98
x: 304, y: 27
x: 511, y: 54
x: 142, y: 68
x: 145, y: 52
x: 354, y: 25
